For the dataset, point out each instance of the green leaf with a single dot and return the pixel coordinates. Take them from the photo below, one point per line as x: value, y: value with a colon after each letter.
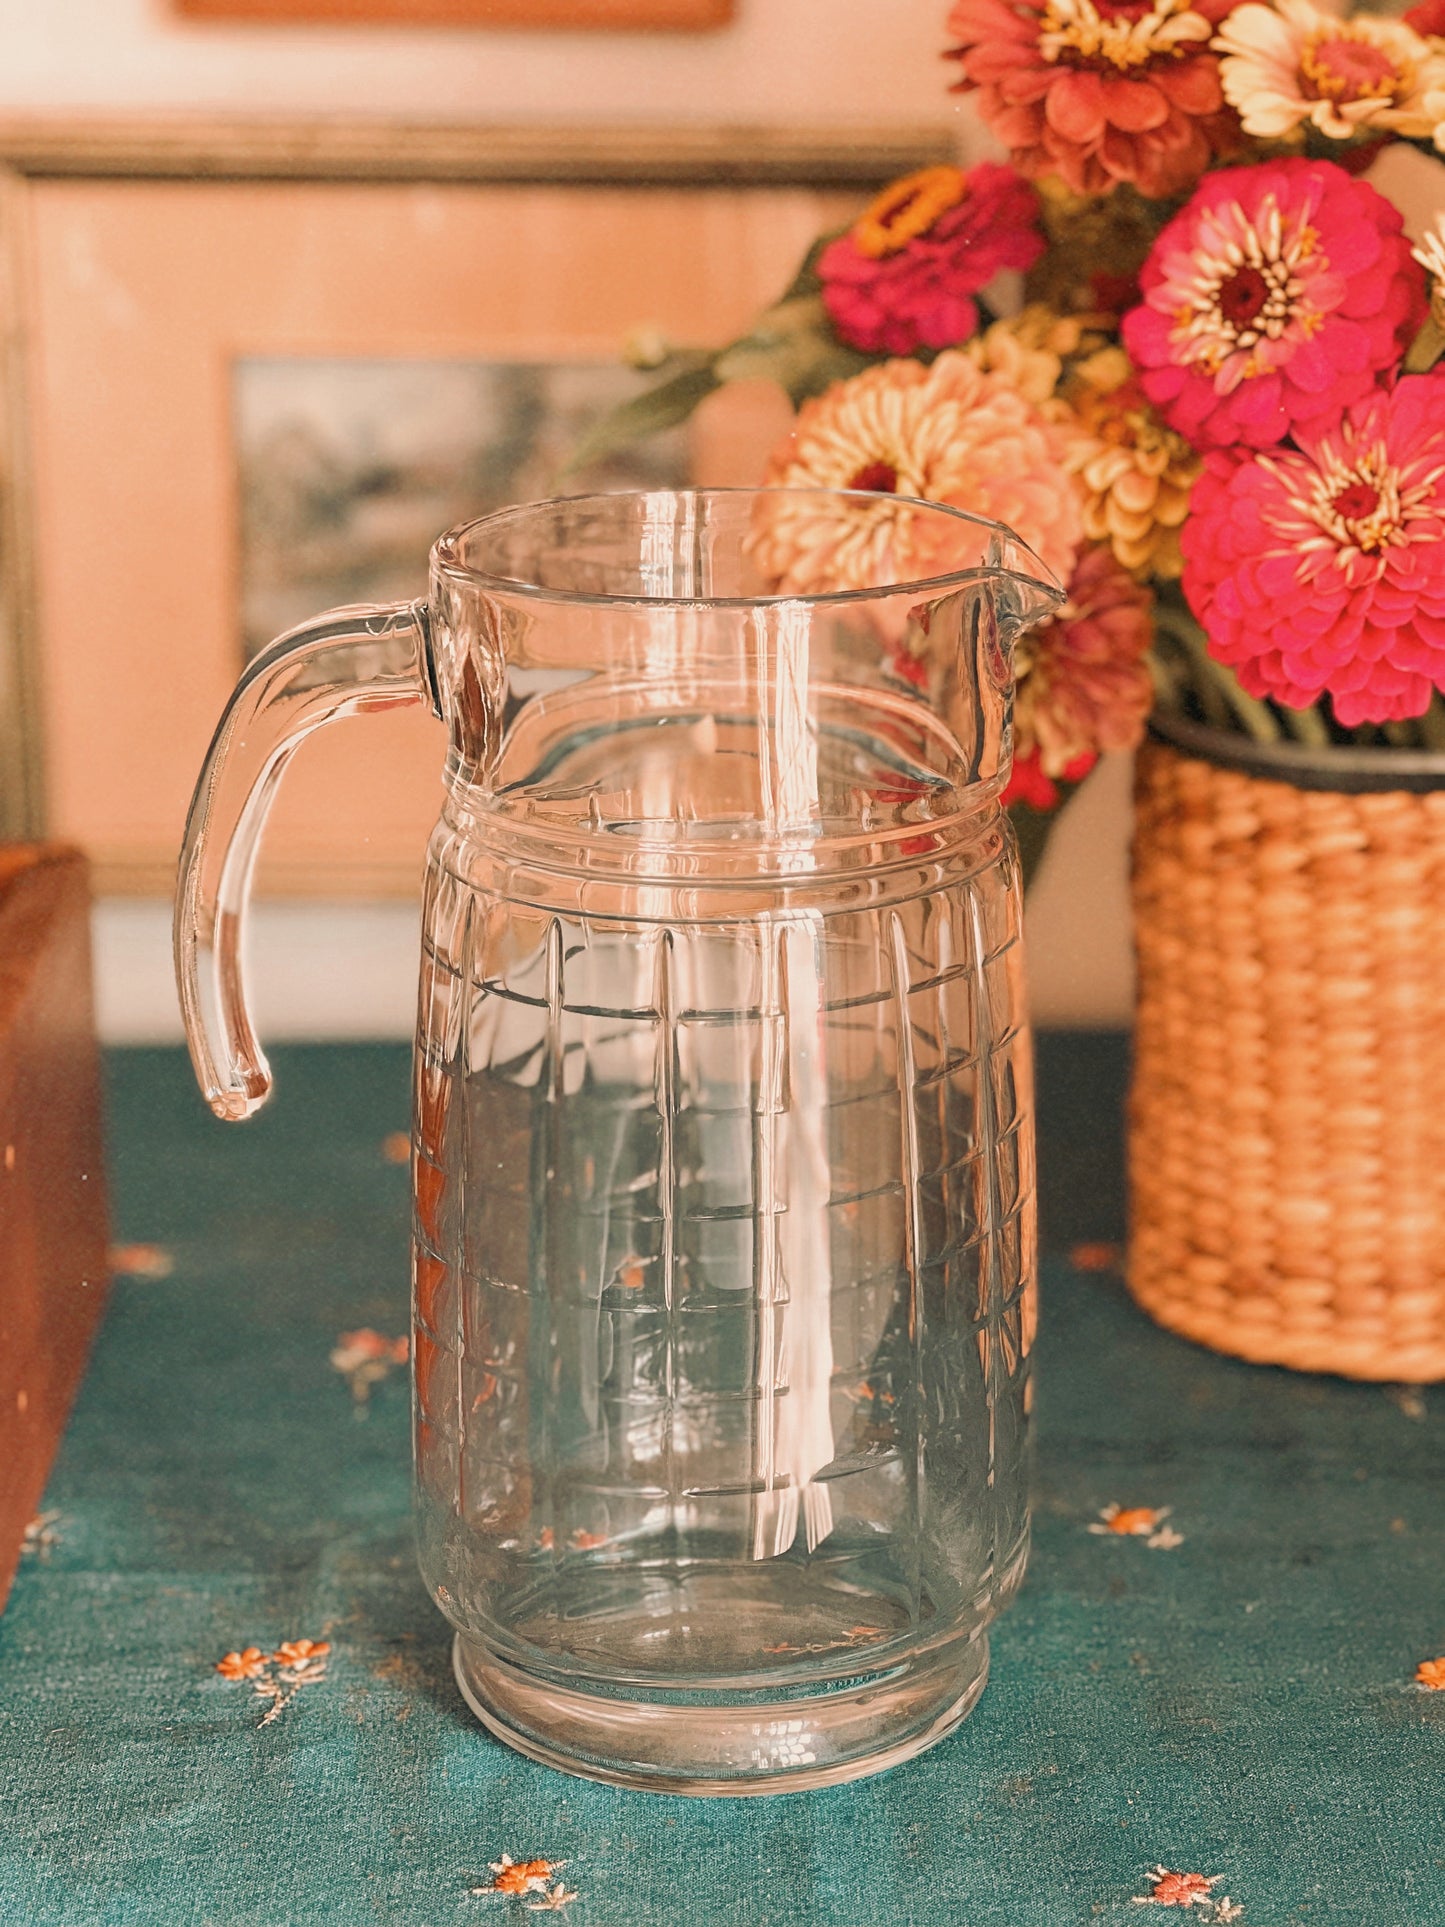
x: 664, y: 406
x: 806, y: 280
x: 793, y: 345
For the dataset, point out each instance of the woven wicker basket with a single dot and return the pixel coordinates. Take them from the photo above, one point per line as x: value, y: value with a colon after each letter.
x: 1287, y: 1119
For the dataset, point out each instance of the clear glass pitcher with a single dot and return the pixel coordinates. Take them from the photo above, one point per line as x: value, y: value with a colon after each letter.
x: 722, y: 1131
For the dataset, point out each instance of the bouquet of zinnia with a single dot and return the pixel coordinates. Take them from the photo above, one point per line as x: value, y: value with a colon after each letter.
x: 1216, y: 414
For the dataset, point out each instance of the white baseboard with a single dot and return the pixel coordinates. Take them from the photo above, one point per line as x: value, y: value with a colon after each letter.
x: 317, y: 971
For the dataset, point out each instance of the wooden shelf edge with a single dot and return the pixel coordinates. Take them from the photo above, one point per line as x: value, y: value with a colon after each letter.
x: 348, y: 149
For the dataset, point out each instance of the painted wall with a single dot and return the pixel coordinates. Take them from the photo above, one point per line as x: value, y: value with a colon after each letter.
x: 780, y: 62
x: 812, y: 63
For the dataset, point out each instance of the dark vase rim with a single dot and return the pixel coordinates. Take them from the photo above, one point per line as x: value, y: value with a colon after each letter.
x: 1339, y: 767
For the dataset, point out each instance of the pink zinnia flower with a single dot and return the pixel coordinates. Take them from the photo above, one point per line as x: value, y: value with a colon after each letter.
x: 1272, y: 301
x: 904, y: 275
x: 1083, y: 676
x: 1098, y: 91
x: 1323, y: 572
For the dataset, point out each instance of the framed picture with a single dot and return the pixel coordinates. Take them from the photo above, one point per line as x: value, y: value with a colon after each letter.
x: 251, y: 372
x: 634, y: 14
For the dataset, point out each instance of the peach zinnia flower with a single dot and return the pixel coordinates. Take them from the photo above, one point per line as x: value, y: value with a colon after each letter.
x: 1289, y: 64
x: 951, y: 433
x: 1098, y: 91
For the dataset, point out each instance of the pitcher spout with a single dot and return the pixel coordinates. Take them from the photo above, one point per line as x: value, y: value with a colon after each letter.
x: 1026, y: 591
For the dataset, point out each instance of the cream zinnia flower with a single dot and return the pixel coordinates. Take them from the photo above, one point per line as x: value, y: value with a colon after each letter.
x: 1134, y: 474
x: 1288, y: 64
x: 1029, y: 349
x: 1430, y: 253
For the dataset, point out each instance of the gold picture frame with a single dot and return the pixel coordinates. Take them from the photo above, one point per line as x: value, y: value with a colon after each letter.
x: 140, y: 260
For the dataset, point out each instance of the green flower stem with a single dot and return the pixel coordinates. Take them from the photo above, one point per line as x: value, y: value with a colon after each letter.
x: 1307, y: 726
x: 1218, y: 687
x: 1427, y: 347
x: 1032, y: 828
x: 1432, y: 724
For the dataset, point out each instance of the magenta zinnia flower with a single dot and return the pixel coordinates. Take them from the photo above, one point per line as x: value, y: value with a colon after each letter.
x: 905, y: 274
x: 1272, y: 301
x: 1323, y: 572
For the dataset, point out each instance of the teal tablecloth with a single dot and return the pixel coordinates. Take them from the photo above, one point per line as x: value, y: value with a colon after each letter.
x: 1237, y: 1705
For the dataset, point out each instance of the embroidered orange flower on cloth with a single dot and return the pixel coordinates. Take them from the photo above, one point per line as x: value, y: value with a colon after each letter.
x: 40, y: 1535
x: 1169, y: 1889
x: 511, y: 1876
x: 1144, y: 1522
x: 279, y: 1676
x: 1132, y: 1519
x: 299, y: 1652
x: 553, y: 1900
x: 140, y: 1261
x: 1180, y: 1889
x: 365, y: 1357
x: 249, y: 1663
x: 368, y: 1347
x: 1096, y: 1257
x: 1430, y: 1674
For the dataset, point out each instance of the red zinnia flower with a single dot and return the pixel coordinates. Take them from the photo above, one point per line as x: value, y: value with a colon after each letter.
x: 1028, y: 784
x: 1428, y: 18
x: 1083, y: 677
x: 1323, y: 572
x: 1272, y: 301
x: 1098, y: 91
x: 904, y: 275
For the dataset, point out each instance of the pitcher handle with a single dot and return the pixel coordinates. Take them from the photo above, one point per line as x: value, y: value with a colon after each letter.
x: 370, y: 657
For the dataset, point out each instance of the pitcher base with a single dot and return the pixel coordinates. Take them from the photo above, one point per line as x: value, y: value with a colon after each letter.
x: 763, y: 1746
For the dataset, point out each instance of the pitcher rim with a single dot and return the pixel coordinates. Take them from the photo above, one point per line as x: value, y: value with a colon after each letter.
x: 447, y: 560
